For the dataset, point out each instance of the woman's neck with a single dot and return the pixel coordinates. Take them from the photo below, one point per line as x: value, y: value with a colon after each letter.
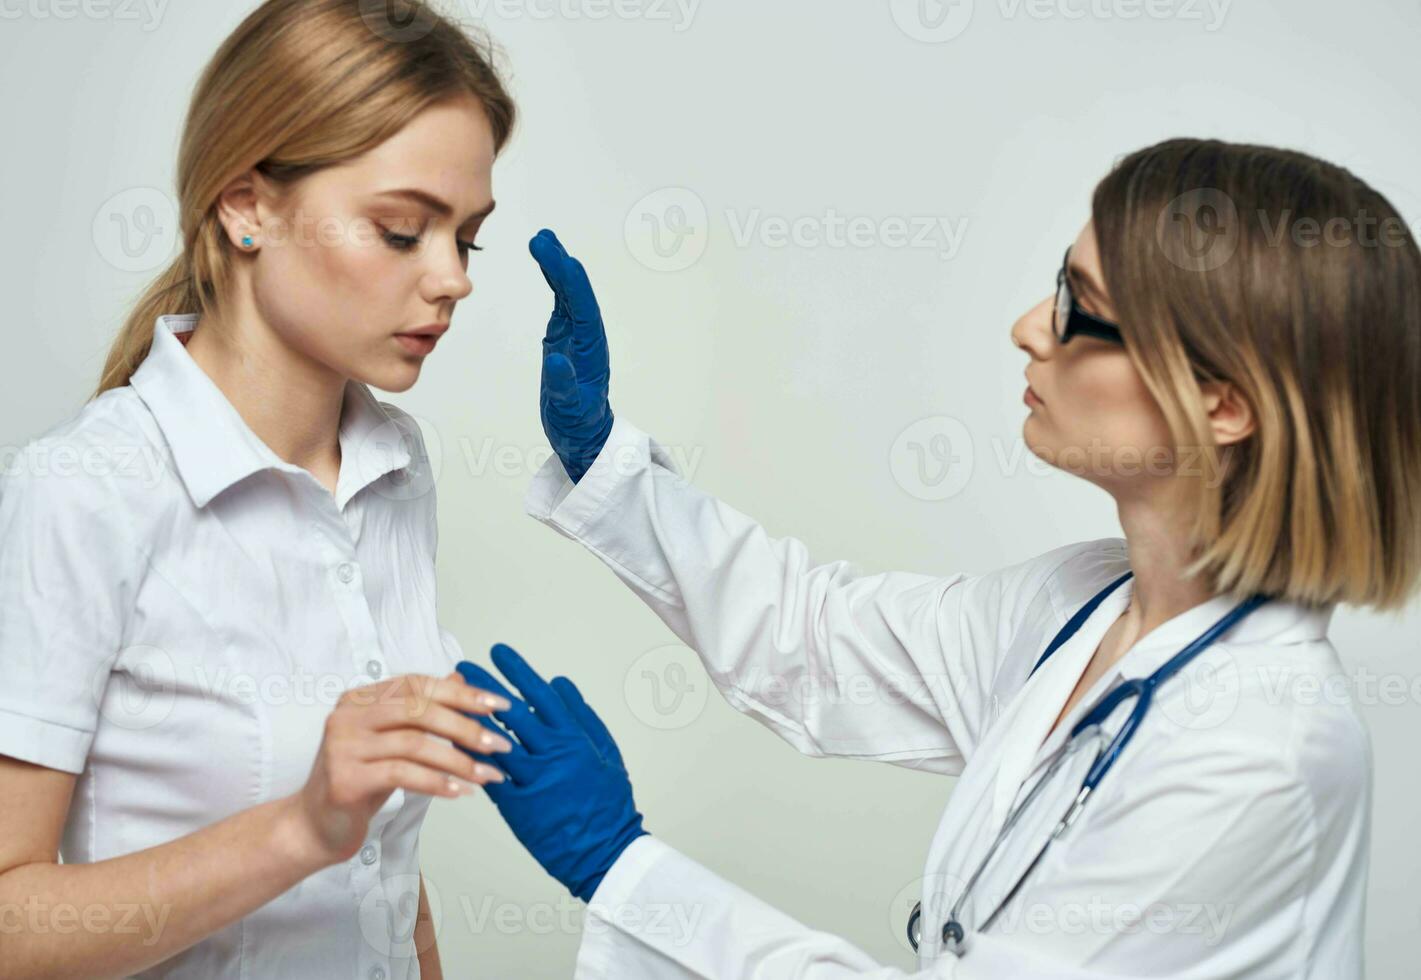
x: 292, y: 403
x: 1157, y: 540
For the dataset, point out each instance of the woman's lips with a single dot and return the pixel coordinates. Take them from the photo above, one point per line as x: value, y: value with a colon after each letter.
x: 419, y: 344
x: 1031, y: 398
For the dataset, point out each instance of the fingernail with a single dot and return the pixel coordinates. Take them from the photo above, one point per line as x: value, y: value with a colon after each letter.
x: 495, y: 742
x: 496, y: 703
x: 489, y: 772
x: 461, y: 786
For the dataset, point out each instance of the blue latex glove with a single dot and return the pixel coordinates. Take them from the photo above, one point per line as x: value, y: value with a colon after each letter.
x: 567, y: 798
x: 577, y: 417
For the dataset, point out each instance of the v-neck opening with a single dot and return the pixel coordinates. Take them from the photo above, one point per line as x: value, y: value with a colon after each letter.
x: 1047, y: 691
x: 1101, y: 620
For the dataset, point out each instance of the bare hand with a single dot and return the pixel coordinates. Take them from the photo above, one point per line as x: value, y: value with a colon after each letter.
x: 377, y: 739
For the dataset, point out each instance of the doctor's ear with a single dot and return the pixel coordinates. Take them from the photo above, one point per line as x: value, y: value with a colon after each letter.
x: 1231, y: 417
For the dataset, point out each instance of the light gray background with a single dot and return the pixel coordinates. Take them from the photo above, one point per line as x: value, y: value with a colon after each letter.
x: 794, y: 378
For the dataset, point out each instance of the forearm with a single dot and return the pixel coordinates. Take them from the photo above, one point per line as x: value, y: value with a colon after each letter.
x: 118, y: 917
x: 424, y: 939
x: 714, y: 575
x: 781, y: 634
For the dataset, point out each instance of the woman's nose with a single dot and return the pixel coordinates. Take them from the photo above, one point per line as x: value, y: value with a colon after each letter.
x: 1032, y: 331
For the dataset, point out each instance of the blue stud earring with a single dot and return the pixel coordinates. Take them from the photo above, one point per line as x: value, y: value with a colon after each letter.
x: 246, y: 241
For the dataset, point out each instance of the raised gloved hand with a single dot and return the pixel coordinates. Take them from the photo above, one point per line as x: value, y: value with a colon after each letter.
x: 567, y: 798
x: 577, y: 416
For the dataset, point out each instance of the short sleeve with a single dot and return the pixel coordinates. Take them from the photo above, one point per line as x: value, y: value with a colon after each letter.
x: 67, y: 580
x: 453, y: 652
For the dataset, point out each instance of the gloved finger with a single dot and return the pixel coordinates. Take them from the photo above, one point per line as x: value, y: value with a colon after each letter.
x: 476, y: 676
x: 519, y: 719
x: 548, y: 252
x: 588, y: 719
x: 516, y: 763
x: 550, y: 256
x: 589, y: 336
x: 559, y: 335
x: 577, y: 292
x: 491, y: 758
x: 568, y: 279
x: 560, y: 384
x: 532, y: 686
x: 528, y: 727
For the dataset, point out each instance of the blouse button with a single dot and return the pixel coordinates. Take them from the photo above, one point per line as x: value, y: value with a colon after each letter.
x: 345, y: 572
x: 367, y: 854
x: 373, y: 668
x: 377, y: 973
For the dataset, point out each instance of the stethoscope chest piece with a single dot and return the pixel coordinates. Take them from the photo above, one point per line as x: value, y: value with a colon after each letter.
x: 952, y: 934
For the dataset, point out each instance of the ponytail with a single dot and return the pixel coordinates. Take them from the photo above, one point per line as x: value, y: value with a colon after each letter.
x: 171, y: 292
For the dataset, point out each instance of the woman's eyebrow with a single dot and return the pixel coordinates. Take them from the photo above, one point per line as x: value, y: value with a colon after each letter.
x: 436, y: 204
x: 1082, y: 281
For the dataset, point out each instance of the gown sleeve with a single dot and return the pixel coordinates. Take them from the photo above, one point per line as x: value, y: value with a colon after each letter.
x: 892, y: 666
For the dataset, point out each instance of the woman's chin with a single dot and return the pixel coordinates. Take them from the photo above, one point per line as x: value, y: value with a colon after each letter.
x: 395, y: 376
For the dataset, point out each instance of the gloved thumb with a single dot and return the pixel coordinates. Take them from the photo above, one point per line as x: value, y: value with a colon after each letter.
x: 560, y: 383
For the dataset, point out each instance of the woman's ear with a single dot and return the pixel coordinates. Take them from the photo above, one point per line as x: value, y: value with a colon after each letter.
x: 245, y: 206
x: 1230, y: 416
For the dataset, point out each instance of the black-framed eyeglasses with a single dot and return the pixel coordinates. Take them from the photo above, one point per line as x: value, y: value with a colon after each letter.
x: 1068, y: 319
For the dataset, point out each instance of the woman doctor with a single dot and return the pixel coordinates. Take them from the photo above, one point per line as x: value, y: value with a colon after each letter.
x: 1259, y: 396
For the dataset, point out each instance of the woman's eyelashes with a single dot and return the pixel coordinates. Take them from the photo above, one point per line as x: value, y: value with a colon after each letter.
x: 406, y: 243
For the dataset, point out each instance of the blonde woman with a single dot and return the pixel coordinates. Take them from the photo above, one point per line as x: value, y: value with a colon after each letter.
x: 1232, y: 351
x: 227, y: 701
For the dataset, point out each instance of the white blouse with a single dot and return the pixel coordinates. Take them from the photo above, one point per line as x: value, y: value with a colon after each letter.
x: 180, y: 609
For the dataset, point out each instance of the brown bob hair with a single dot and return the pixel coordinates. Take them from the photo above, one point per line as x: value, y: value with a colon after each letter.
x: 1296, y: 282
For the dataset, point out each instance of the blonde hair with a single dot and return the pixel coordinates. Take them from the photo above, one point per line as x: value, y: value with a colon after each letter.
x: 299, y: 86
x: 1296, y: 282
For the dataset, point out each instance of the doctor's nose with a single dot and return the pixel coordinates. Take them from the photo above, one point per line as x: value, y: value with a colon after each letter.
x: 1032, y: 331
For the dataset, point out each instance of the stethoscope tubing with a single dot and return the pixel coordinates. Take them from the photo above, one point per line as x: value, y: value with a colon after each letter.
x: 1143, y: 688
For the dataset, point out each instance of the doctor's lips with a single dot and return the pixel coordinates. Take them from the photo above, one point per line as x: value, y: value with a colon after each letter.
x: 1030, y: 396
x: 421, y: 340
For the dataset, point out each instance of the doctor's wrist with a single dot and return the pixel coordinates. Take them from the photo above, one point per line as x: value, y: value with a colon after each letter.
x: 578, y: 456
x: 586, y: 890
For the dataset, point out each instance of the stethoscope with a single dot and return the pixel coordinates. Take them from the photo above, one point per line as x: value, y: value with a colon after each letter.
x: 952, y: 930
